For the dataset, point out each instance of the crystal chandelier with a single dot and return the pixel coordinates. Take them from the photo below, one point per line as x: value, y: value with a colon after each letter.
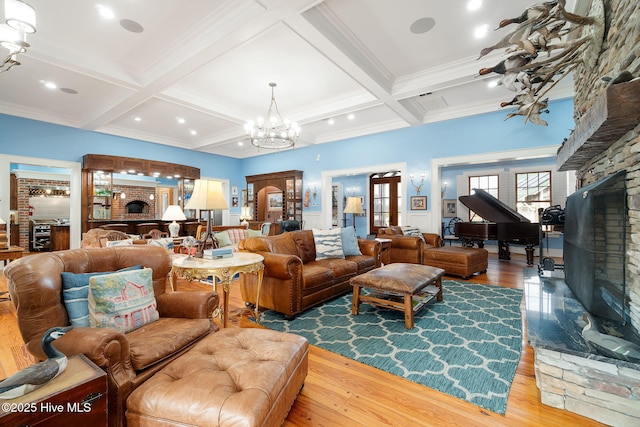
x: 20, y: 20
x: 274, y: 132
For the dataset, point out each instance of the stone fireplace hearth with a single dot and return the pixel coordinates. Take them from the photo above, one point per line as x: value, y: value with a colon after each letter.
x: 569, y: 374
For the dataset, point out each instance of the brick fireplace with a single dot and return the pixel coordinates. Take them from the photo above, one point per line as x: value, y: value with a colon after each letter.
x: 606, y: 140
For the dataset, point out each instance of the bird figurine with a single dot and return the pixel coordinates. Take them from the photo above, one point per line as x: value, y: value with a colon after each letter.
x: 35, y: 376
x: 609, y: 345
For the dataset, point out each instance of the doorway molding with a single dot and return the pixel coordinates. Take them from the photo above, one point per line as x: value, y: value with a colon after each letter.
x: 75, y: 189
x: 474, y: 159
x: 327, y: 183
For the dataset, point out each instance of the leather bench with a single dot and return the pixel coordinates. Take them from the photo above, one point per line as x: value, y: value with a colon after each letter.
x: 247, y: 377
x: 460, y: 261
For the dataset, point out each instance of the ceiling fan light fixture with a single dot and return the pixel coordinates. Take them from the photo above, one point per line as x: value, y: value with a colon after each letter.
x: 279, y: 133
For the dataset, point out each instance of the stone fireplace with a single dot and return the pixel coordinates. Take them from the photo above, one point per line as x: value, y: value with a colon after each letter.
x: 605, y: 141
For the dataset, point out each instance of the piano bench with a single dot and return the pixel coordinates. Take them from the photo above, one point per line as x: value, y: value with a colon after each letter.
x: 456, y: 260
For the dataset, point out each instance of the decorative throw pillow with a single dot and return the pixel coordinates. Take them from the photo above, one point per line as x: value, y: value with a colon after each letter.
x: 236, y: 234
x: 350, y: 241
x: 75, y: 291
x: 223, y: 238
x: 124, y: 242
x: 122, y: 301
x: 412, y: 231
x: 328, y: 243
x: 254, y: 233
x: 165, y: 242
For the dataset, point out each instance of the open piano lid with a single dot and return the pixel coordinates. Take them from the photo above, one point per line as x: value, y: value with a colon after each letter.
x: 489, y: 208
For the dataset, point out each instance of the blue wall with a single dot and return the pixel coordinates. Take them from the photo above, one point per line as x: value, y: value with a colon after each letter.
x: 415, y: 145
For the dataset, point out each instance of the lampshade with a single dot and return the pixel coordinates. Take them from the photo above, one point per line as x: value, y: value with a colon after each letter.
x: 173, y: 213
x: 353, y: 206
x: 2, y: 221
x: 245, y: 212
x: 207, y: 195
x: 20, y: 16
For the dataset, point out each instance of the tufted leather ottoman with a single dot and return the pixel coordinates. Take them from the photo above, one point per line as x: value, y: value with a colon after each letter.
x: 400, y: 285
x: 240, y: 377
x: 461, y: 261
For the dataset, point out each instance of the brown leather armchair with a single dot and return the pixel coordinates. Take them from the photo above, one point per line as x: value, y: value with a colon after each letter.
x: 408, y: 249
x: 129, y: 359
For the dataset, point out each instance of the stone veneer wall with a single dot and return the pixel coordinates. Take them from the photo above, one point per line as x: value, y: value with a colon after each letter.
x: 607, y: 392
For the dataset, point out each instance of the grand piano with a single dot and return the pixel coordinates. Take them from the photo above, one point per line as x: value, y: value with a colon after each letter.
x: 503, y: 224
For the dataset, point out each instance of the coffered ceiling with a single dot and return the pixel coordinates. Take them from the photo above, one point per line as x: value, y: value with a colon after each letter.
x: 367, y: 64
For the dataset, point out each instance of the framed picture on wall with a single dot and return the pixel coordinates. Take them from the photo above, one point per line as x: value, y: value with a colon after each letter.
x: 274, y: 201
x: 419, y: 203
x: 449, y: 208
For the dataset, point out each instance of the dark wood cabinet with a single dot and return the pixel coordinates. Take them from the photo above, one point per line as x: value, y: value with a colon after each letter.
x: 59, y: 237
x: 276, y: 196
x: 13, y: 189
x: 99, y: 188
x: 78, y: 397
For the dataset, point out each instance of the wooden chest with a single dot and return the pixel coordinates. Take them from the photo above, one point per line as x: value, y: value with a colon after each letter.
x: 77, y: 397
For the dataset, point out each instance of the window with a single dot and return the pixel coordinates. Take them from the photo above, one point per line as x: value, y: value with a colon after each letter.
x: 533, y: 192
x: 488, y: 183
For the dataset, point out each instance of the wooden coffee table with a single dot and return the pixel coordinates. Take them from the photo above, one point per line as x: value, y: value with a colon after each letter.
x: 400, y: 286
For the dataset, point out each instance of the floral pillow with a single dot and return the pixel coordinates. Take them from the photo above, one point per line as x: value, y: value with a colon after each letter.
x: 123, y: 301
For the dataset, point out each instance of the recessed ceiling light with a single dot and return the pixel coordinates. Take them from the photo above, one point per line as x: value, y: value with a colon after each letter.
x: 422, y: 25
x: 131, y: 26
x: 180, y: 120
x: 481, y: 31
x: 240, y: 144
x: 50, y: 85
x: 330, y: 121
x: 474, y: 5
x: 193, y: 132
x: 351, y: 116
x: 493, y: 83
x: 137, y: 119
x: 68, y: 91
x: 105, y: 12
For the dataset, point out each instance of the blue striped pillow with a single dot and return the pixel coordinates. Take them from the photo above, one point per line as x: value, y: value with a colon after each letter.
x: 328, y: 243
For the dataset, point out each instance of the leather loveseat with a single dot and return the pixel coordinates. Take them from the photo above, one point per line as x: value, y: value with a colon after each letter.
x: 129, y: 359
x: 409, y: 249
x: 293, y: 279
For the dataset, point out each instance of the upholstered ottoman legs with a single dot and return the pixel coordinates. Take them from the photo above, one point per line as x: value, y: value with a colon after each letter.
x: 247, y: 377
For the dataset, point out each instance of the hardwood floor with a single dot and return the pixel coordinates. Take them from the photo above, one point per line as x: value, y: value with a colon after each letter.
x: 341, y: 392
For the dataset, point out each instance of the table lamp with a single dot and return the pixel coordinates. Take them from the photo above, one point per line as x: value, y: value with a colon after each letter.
x: 245, y: 215
x: 173, y: 213
x: 353, y: 207
x: 207, y: 195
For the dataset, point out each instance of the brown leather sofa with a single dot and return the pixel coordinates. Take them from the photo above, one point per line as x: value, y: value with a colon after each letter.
x: 293, y: 279
x: 129, y: 359
x: 409, y: 249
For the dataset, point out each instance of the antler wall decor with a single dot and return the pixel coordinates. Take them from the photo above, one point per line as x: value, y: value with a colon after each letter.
x: 541, y: 53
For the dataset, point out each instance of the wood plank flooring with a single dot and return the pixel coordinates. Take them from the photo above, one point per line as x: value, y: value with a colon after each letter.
x: 341, y: 392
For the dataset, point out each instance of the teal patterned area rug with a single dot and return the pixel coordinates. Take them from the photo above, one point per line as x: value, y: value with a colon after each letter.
x: 467, y: 345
